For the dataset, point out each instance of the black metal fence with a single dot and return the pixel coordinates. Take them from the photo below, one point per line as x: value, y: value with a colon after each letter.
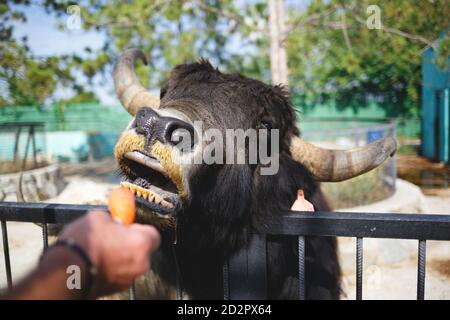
x: 245, y: 273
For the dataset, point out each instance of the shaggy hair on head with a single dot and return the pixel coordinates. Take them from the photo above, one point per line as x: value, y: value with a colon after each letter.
x: 226, y: 200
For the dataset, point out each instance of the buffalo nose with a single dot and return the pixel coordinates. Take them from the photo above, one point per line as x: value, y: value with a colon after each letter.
x: 165, y: 129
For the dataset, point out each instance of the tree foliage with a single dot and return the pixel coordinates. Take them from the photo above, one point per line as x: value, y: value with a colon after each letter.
x: 26, y: 79
x: 169, y: 32
x: 332, y: 53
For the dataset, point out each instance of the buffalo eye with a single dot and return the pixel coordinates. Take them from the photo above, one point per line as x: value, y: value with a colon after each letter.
x: 265, y: 125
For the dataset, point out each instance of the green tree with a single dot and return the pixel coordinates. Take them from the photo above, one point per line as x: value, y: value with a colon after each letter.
x: 334, y: 55
x: 26, y: 79
x: 169, y: 32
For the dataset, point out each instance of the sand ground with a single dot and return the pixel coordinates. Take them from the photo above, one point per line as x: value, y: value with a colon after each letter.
x: 390, y: 266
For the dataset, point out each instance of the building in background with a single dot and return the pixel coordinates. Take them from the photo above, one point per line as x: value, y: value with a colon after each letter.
x: 435, y: 107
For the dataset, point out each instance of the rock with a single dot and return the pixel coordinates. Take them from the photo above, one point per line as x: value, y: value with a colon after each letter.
x: 36, y: 185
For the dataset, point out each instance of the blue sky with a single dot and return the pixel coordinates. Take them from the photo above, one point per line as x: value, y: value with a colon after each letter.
x: 45, y: 40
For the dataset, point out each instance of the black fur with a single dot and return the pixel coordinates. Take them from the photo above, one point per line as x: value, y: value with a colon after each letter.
x: 226, y: 199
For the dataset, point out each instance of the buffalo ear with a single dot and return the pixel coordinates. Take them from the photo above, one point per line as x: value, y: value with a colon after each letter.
x: 337, y: 165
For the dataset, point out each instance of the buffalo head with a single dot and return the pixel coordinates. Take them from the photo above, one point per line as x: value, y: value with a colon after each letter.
x: 225, y: 195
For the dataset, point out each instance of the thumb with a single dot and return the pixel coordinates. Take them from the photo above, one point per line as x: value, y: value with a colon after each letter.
x: 148, y: 232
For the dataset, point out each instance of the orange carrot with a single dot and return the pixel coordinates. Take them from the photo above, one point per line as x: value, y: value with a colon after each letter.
x: 121, y: 204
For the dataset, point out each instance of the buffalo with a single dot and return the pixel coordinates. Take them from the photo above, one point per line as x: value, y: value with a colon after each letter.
x: 205, y: 207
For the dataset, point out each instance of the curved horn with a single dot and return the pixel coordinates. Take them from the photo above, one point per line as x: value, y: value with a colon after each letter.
x: 130, y: 92
x: 337, y: 165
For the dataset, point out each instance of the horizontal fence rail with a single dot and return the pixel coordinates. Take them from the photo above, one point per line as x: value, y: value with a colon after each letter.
x: 362, y: 225
x: 339, y: 224
x: 245, y: 273
x: 44, y: 212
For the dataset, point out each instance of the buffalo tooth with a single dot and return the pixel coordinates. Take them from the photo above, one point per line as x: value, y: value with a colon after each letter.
x: 167, y: 204
x: 147, y: 194
x: 170, y: 206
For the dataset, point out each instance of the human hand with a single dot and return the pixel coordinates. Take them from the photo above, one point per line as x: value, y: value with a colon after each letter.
x: 119, y: 252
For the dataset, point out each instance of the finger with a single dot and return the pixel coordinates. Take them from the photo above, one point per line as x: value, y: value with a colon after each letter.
x: 150, y: 233
x: 99, y: 214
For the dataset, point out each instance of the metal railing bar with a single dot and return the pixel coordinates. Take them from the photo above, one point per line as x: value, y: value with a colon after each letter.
x: 257, y: 266
x: 359, y: 267
x: 45, y: 236
x: 132, y: 292
x: 226, y: 280
x: 363, y: 225
x: 301, y: 268
x: 346, y: 224
x: 44, y: 212
x: 340, y: 224
x: 421, y: 264
x: 6, y: 254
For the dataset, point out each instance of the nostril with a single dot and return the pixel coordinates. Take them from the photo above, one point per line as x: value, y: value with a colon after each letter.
x: 166, y: 129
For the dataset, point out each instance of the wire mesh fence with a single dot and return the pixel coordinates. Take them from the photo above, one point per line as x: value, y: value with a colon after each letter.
x: 85, y: 117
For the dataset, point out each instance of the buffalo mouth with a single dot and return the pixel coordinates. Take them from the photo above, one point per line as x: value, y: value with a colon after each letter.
x: 148, y: 180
